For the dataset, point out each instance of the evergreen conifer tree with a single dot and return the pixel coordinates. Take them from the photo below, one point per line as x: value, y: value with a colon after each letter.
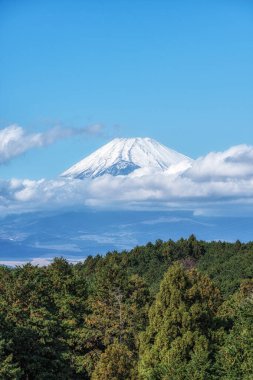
x: 177, y: 342
x: 235, y: 356
x: 116, y: 363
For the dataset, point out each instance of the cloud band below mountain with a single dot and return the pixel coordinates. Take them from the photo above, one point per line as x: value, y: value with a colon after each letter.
x: 217, y: 183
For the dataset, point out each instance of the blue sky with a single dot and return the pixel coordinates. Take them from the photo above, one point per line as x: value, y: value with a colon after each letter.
x: 177, y: 71
x: 75, y: 74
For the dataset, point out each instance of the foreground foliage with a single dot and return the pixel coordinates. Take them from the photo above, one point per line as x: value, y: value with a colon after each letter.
x: 170, y: 310
x: 178, y: 341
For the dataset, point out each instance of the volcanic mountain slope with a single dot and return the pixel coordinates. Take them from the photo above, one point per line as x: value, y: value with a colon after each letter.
x: 122, y: 156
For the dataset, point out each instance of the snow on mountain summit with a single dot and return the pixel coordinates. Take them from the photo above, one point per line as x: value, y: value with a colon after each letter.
x: 122, y: 156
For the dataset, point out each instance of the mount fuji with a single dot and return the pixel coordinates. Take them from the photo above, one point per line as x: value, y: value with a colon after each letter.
x: 79, y: 231
x: 122, y: 156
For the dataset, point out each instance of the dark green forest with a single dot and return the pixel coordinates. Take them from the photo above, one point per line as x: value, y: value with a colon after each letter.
x: 170, y: 310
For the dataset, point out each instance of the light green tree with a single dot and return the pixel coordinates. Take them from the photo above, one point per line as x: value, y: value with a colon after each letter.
x: 235, y: 356
x: 116, y: 363
x: 177, y: 343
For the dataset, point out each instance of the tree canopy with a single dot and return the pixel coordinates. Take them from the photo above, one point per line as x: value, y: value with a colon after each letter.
x: 167, y: 310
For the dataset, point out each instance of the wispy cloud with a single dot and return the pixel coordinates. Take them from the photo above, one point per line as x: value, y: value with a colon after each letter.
x: 95, y: 130
x: 58, y: 247
x: 173, y: 219
x: 123, y: 239
x: 15, y: 141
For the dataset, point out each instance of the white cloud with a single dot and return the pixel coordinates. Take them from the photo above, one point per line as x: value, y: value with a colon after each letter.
x: 39, y: 261
x: 215, y: 183
x: 14, y: 140
x: 236, y: 162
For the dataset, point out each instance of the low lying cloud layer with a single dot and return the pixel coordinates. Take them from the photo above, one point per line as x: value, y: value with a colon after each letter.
x: 216, y: 183
x: 38, y: 261
x: 14, y: 140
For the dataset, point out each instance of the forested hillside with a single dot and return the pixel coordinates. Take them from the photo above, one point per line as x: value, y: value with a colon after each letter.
x: 170, y: 310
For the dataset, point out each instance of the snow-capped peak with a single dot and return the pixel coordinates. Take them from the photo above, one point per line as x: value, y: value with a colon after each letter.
x: 121, y: 156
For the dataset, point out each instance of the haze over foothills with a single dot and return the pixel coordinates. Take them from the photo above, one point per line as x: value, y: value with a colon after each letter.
x: 76, y: 75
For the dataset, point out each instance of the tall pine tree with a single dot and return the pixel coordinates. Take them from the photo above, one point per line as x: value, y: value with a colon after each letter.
x: 177, y: 342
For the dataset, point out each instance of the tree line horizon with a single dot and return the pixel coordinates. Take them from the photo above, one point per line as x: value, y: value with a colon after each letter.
x: 169, y: 310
